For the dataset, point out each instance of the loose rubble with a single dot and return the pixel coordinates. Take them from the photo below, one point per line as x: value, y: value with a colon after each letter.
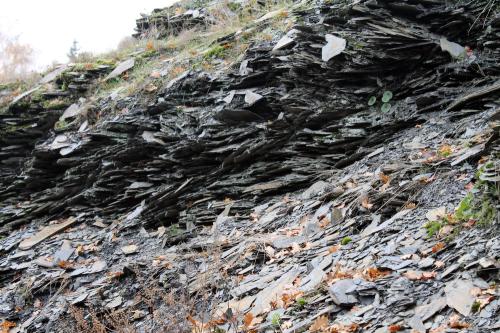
x: 342, y: 177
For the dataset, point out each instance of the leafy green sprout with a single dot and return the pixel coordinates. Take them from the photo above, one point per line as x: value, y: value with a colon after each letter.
x: 372, y: 100
x: 385, y: 107
x: 433, y: 228
x: 276, y: 319
x: 387, y: 96
x: 476, y: 306
x: 346, y: 240
x: 301, y: 302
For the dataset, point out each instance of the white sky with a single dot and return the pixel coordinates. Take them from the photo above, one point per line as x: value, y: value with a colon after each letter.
x: 50, y: 26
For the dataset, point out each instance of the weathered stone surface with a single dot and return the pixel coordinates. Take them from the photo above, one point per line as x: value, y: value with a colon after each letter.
x: 343, y: 292
x: 121, y: 68
x: 252, y: 204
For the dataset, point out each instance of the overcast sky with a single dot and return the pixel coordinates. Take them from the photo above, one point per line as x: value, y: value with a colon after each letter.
x: 50, y: 26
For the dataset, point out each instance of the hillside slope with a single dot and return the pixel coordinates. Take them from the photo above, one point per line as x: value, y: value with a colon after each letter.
x: 261, y: 166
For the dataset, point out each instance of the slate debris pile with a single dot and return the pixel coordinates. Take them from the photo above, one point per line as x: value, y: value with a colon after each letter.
x: 278, y: 181
x: 166, y: 22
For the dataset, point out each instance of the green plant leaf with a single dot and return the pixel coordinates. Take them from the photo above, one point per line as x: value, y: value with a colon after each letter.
x: 385, y: 107
x: 372, y: 100
x: 346, y: 240
x: 387, y: 96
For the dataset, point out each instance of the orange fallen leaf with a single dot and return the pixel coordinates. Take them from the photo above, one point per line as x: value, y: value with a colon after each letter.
x: 483, y: 160
x: 373, y: 273
x: 454, y: 322
x: 6, y: 326
x: 395, y: 328
x: 334, y: 248
x: 65, y: 264
x: 438, y: 247
x: 324, y: 222
x: 366, y: 203
x: 384, y: 178
x: 319, y: 324
x: 290, y: 298
x: 150, y: 46
x: 247, y: 319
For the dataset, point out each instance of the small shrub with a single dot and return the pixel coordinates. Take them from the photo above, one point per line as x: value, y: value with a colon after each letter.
x: 216, y: 51
x: 433, y: 228
x: 346, y: 240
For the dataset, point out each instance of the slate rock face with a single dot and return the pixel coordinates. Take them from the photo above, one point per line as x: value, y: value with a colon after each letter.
x: 280, y: 164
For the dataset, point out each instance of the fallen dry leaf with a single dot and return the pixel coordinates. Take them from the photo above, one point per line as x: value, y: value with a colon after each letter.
x: 445, y: 151
x: 319, y: 324
x: 290, y: 298
x: 428, y: 275
x: 438, y: 247
x: 373, y: 273
x: 422, y: 276
x: 439, y: 264
x: 247, y: 319
x: 366, y: 203
x: 454, y: 322
x: 395, y: 328
x: 65, y: 264
x: 334, y: 248
x: 384, y: 178
x: 410, y: 205
x: 6, y: 326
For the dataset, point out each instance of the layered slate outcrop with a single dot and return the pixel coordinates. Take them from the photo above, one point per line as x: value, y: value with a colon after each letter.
x: 279, y: 162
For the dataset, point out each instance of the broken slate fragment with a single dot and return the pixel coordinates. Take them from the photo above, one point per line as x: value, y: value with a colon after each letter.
x: 121, y: 68
x: 53, y: 75
x: 334, y: 46
x: 115, y: 302
x: 129, y: 249
x: 459, y: 296
x: 393, y: 263
x: 454, y: 49
x: 251, y: 98
x: 45, y: 233
x: 416, y: 324
x: 74, y: 110
x: 64, y: 252
x: 341, y: 292
x: 428, y: 310
x: 46, y: 262
x: 286, y: 40
x: 149, y: 137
